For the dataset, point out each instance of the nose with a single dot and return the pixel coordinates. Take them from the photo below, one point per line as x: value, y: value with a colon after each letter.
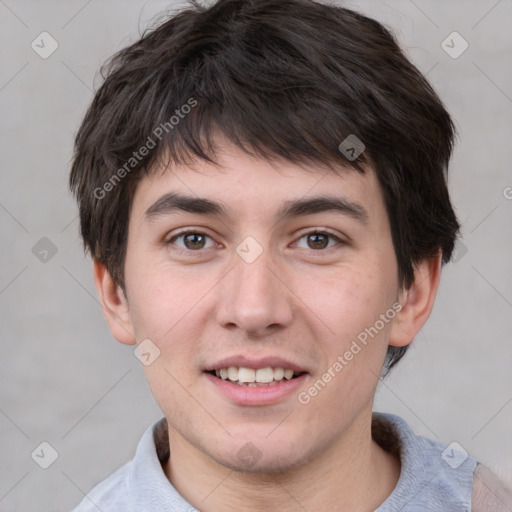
x: 255, y: 297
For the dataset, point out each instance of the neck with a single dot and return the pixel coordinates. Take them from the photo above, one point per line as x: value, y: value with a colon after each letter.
x: 354, y: 474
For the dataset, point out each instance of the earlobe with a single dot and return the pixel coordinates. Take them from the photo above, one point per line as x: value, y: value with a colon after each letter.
x: 417, y: 302
x: 114, y: 304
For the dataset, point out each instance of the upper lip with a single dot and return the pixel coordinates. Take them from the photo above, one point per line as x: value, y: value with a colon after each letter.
x: 255, y: 363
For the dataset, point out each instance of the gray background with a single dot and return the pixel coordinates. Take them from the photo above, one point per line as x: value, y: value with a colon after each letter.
x: 66, y: 381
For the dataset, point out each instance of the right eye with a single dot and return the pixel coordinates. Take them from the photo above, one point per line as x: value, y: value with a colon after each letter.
x: 193, y: 241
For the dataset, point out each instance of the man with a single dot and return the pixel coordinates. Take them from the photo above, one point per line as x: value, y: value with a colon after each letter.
x: 262, y: 186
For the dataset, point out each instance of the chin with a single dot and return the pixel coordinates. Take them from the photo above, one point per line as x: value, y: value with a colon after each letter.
x: 272, y: 465
x: 261, y: 456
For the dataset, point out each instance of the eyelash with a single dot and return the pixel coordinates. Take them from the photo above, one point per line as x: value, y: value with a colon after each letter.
x: 199, y: 251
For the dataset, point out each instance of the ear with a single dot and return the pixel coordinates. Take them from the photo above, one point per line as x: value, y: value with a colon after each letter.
x: 115, y: 305
x: 417, y: 302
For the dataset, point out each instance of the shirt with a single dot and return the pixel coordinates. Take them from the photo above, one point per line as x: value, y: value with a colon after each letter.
x: 433, y: 477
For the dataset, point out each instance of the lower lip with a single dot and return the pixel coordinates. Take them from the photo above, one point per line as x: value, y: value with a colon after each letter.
x: 256, y: 395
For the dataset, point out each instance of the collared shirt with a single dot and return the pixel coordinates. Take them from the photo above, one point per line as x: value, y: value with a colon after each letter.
x: 433, y: 477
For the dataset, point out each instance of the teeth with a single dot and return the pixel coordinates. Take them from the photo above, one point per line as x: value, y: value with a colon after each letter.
x: 264, y: 375
x: 278, y: 373
x: 246, y: 375
x: 288, y: 374
x: 233, y: 373
x: 250, y: 377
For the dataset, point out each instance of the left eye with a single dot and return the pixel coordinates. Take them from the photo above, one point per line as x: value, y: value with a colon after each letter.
x: 319, y: 239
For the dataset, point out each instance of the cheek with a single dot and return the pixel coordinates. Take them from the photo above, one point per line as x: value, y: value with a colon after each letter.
x: 348, y: 300
x: 168, y: 309
x: 348, y: 307
x: 161, y: 298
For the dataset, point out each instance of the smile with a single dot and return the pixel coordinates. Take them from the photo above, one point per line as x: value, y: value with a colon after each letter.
x: 251, y: 377
x: 256, y: 393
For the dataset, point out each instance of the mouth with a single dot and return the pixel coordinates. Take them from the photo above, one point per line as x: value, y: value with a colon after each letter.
x: 255, y: 377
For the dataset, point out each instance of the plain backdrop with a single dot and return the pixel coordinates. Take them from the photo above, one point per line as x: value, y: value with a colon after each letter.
x: 67, y: 382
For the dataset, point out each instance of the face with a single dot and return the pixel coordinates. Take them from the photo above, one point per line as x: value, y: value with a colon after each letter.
x: 252, y: 280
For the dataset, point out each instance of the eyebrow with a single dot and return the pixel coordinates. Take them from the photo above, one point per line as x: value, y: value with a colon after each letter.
x: 174, y: 202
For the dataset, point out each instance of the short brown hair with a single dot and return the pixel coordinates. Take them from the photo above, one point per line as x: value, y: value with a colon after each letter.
x: 285, y: 79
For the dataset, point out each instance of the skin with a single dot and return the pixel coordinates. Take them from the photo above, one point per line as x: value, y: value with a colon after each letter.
x: 296, y: 301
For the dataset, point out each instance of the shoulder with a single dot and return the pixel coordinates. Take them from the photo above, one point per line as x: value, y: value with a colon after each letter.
x: 109, y: 495
x: 489, y: 492
x: 139, y: 481
x: 433, y: 476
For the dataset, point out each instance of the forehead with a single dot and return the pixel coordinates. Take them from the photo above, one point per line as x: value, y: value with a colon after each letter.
x: 242, y: 185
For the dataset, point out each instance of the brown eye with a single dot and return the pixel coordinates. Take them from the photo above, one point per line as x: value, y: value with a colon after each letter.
x: 318, y: 240
x: 194, y: 241
x: 191, y: 241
